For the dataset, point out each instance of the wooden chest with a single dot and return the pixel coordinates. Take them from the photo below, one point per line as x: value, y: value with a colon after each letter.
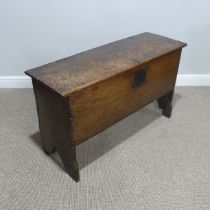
x: 80, y: 96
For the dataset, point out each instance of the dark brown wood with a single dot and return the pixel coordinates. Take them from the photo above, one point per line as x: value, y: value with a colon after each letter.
x: 71, y: 74
x: 84, y: 94
x: 55, y: 126
x: 100, y: 105
x: 165, y: 103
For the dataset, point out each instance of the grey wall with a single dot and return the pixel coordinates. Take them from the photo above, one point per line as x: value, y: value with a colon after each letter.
x: 37, y: 32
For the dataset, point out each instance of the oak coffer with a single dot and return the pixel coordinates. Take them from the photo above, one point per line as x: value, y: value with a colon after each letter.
x: 80, y: 96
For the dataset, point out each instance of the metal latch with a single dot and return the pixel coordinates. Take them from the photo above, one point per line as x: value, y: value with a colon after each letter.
x: 140, y: 77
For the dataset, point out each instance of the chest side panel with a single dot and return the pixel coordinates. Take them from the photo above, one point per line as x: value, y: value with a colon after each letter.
x: 98, y: 106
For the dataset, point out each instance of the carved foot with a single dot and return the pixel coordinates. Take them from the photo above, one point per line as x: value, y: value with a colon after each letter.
x: 165, y: 103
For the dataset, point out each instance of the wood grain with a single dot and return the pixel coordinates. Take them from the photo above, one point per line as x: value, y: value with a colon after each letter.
x: 100, y: 105
x: 55, y: 126
x: 82, y: 70
x: 80, y: 96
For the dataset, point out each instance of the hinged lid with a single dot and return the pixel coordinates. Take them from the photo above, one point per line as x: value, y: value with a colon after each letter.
x: 71, y: 74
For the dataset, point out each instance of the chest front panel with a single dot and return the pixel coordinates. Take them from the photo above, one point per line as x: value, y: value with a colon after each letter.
x: 98, y: 106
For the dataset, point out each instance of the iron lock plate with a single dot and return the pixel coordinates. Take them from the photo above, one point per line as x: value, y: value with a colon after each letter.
x: 140, y: 77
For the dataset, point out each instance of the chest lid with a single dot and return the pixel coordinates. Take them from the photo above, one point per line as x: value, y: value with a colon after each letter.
x: 73, y: 73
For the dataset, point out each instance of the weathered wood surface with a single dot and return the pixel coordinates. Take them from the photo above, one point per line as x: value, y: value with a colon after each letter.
x: 76, y: 72
x: 99, y: 106
x: 80, y: 96
x: 55, y: 126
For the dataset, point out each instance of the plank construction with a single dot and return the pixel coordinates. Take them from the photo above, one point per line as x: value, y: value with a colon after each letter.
x: 80, y: 96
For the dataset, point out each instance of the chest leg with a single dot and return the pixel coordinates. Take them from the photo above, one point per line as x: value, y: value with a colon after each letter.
x: 165, y: 103
x: 55, y: 128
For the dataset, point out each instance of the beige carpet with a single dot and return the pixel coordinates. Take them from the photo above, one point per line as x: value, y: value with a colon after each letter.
x: 143, y: 162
